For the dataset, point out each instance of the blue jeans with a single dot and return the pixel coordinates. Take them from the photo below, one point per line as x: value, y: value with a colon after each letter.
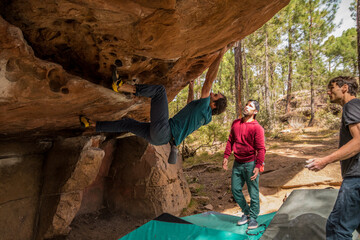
x: 157, y: 131
x: 241, y: 174
x: 345, y: 216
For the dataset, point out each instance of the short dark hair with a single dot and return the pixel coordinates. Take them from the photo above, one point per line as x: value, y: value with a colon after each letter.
x: 256, y: 104
x: 220, y: 105
x: 349, y: 81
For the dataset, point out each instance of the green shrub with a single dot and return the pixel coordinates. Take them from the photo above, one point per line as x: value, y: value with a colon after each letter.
x: 326, y: 119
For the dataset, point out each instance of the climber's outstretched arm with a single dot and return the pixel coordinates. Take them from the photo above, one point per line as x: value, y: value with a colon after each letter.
x: 211, y: 74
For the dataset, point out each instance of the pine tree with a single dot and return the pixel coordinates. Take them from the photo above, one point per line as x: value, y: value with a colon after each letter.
x: 311, y: 73
x: 317, y: 24
x: 191, y: 92
x: 341, y: 51
x: 239, y: 79
x: 266, y: 72
x: 290, y: 18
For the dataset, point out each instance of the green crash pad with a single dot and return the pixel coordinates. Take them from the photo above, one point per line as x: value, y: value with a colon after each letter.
x: 211, y: 225
x: 175, y: 231
x: 227, y: 223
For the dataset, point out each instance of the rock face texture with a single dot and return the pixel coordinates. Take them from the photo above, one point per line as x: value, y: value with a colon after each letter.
x: 71, y: 166
x: 45, y: 185
x: 161, y: 42
x: 142, y: 177
x: 55, y: 59
x: 39, y: 97
x: 20, y: 177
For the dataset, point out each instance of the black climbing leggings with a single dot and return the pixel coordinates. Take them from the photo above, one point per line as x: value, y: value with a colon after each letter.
x: 157, y: 131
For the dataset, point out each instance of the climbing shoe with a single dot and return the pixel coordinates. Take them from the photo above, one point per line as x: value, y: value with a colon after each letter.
x: 173, y: 154
x: 116, y: 85
x: 117, y: 81
x: 84, y: 121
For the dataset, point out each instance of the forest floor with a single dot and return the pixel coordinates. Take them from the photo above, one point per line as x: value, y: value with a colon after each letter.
x: 210, y: 184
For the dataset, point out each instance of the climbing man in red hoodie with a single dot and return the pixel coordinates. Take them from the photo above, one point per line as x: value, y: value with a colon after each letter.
x: 247, y: 141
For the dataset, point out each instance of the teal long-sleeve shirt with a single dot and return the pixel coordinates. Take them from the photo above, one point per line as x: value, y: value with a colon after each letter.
x: 194, y: 115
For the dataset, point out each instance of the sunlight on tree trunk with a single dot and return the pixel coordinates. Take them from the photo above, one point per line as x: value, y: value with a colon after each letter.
x: 267, y: 94
x: 238, y: 78
x: 289, y: 82
x: 191, y: 91
x: 311, y: 122
x: 246, y: 75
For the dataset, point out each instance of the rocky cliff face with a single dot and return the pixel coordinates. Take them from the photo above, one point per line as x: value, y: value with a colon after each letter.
x: 66, y: 71
x: 55, y: 59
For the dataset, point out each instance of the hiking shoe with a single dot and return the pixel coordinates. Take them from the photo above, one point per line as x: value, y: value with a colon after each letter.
x: 244, y: 219
x: 252, y: 224
x: 84, y: 121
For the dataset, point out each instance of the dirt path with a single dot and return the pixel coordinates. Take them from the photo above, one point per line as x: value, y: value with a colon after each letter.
x: 210, y: 184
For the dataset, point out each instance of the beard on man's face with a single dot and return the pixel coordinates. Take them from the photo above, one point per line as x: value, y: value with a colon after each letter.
x: 333, y: 99
x: 246, y: 113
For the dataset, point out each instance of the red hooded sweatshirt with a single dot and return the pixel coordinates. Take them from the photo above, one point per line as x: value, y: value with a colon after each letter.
x: 247, y: 140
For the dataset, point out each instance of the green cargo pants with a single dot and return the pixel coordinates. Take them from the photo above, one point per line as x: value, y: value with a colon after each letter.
x: 241, y: 174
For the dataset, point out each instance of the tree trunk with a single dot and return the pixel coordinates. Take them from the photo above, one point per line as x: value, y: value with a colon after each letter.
x: 243, y: 75
x: 358, y: 34
x: 289, y: 83
x: 267, y: 97
x: 189, y: 99
x: 272, y: 91
x: 274, y: 105
x: 191, y: 91
x: 311, y: 122
x: 197, y: 82
x: 238, y: 78
x: 246, y: 75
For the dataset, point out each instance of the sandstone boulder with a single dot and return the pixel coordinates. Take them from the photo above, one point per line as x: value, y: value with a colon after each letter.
x: 161, y: 42
x: 143, y: 183
x: 20, y: 187
x: 72, y: 165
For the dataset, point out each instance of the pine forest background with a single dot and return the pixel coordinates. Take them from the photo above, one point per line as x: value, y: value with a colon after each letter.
x: 286, y: 66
